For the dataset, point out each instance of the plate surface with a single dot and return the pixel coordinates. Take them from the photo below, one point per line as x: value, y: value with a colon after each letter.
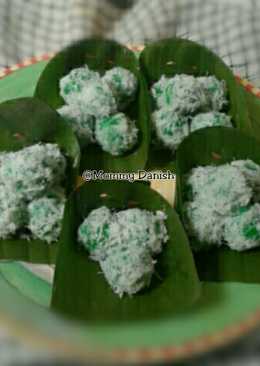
x: 219, y: 317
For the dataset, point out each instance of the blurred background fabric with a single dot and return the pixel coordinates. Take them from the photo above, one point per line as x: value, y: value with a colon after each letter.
x: 231, y: 28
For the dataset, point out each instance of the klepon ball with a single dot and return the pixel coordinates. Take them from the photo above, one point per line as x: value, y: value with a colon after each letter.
x: 210, y: 119
x: 123, y: 84
x: 170, y: 128
x: 72, y: 84
x: 116, y: 134
x: 45, y: 218
x: 181, y: 93
x: 81, y: 122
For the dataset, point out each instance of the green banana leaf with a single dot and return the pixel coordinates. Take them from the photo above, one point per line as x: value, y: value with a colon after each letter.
x: 35, y: 251
x: 253, y: 106
x: 216, y: 146
x: 179, y: 56
x: 81, y: 291
x: 24, y: 122
x: 100, y: 55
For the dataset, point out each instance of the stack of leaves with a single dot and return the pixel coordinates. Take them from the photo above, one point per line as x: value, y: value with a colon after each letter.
x: 124, y: 244
x: 185, y: 104
x: 95, y: 104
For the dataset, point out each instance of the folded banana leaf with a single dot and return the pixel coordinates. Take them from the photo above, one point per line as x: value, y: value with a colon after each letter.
x: 80, y: 289
x: 33, y: 251
x: 179, y: 56
x: 24, y: 122
x: 253, y: 105
x: 100, y: 55
x: 216, y: 146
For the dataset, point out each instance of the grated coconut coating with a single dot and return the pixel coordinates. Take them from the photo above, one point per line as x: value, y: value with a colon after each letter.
x: 30, y: 180
x: 32, y: 170
x: 225, y: 189
x: 13, y: 212
x: 184, y: 104
x: 143, y: 228
x: 197, y: 179
x: 124, y: 244
x: 216, y: 92
x: 182, y: 93
x: 123, y: 84
x: 129, y: 270
x: 45, y: 218
x: 170, y: 128
x: 116, y: 134
x: 93, y: 233
x: 91, y: 98
x: 82, y: 123
x: 204, y: 224
x: 97, y: 99
x: 242, y: 231
x: 210, y: 119
x: 219, y: 205
x: 71, y: 85
x: 251, y: 172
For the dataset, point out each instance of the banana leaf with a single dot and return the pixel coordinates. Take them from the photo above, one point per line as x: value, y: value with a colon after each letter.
x: 216, y: 146
x: 80, y: 290
x: 33, y: 251
x: 24, y: 122
x: 253, y: 105
x: 179, y: 56
x: 100, y: 55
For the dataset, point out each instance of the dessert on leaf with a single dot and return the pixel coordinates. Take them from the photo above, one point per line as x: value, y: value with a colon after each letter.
x: 94, y: 106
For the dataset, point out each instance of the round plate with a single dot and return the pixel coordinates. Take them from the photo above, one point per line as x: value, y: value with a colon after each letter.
x: 218, y: 318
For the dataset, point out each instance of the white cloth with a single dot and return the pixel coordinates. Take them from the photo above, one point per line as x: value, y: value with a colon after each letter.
x: 229, y: 27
